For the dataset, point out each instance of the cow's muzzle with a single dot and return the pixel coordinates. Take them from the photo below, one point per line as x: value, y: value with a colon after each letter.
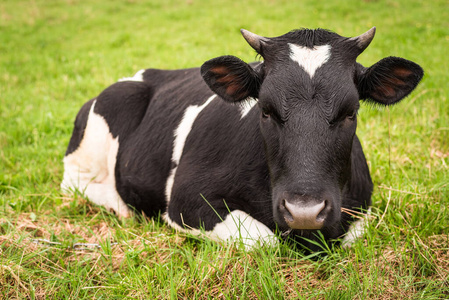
x: 304, y: 212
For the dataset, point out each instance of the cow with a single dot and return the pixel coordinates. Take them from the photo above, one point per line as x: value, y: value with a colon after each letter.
x: 235, y: 151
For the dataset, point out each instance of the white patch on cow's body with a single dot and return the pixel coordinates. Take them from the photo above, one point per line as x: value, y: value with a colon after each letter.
x: 90, y: 168
x: 356, y: 230
x: 181, y: 133
x: 310, y: 59
x: 137, y: 77
x: 238, y: 226
x: 246, y: 106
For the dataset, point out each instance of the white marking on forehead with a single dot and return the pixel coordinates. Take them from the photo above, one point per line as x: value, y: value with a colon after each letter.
x: 310, y: 59
x: 246, y: 106
x: 181, y: 134
x: 137, y: 77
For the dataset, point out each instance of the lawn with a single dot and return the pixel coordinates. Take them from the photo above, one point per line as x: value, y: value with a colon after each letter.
x: 55, y: 55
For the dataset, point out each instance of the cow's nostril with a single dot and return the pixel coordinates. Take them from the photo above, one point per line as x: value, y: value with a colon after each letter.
x: 287, y: 215
x: 323, y: 213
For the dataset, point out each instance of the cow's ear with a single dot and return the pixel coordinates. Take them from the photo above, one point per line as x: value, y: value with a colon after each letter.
x: 231, y: 78
x: 389, y: 80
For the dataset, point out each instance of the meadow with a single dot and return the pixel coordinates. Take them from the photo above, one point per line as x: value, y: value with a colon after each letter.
x: 57, y: 54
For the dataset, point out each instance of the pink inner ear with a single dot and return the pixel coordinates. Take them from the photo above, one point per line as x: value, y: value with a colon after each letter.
x: 236, y: 91
x: 220, y: 70
x: 389, y: 92
x: 226, y: 78
x: 393, y: 81
x: 402, y: 72
x: 232, y: 89
x: 388, y: 85
x: 229, y: 81
x: 385, y: 92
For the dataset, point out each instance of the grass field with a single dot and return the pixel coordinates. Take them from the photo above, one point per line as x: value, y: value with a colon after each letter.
x: 55, y: 55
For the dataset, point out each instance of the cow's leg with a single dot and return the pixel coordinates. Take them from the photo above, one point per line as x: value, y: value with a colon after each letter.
x: 220, y: 223
x: 90, y: 162
x: 106, y: 195
x: 356, y: 230
x: 358, y: 197
x: 191, y: 212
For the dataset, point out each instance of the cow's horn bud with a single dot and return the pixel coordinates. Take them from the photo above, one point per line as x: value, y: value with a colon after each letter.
x: 362, y: 41
x: 253, y: 39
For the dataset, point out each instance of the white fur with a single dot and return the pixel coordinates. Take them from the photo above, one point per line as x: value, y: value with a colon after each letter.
x: 181, y: 133
x: 90, y: 168
x: 310, y: 59
x: 137, y: 77
x: 356, y: 230
x: 246, y: 106
x: 237, y: 226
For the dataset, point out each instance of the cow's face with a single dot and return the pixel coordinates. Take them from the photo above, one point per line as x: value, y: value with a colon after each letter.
x: 308, y: 90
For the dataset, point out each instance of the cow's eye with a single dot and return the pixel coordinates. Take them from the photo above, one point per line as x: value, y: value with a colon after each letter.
x: 352, y: 115
x: 265, y: 113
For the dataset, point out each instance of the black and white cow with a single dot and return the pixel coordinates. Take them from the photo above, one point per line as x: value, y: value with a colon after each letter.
x: 284, y: 156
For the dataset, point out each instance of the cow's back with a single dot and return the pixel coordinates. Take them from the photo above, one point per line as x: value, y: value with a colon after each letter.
x: 123, y: 138
x: 144, y: 157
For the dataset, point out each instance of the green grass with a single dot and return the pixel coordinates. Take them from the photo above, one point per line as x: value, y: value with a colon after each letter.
x: 55, y: 55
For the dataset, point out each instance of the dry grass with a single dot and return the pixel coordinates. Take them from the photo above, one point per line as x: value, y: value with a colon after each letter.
x: 30, y: 240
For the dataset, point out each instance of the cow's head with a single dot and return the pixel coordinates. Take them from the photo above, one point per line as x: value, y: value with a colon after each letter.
x: 308, y: 89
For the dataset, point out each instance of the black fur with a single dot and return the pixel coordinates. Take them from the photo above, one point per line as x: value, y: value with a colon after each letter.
x: 79, y: 127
